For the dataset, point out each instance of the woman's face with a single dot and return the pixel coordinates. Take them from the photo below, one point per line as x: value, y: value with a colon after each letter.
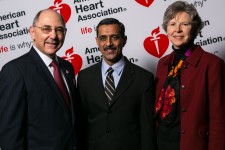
x: 179, y: 29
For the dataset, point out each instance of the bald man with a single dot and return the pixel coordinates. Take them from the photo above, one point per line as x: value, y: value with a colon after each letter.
x: 34, y: 113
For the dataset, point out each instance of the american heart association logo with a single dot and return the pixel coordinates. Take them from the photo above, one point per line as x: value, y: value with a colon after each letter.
x: 145, y: 3
x: 75, y: 59
x: 63, y: 9
x: 156, y: 44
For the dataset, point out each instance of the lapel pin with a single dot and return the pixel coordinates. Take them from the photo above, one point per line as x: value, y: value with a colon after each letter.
x: 74, y: 82
x: 67, y: 72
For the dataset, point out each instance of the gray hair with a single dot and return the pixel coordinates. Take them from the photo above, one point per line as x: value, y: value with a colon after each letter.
x: 183, y: 6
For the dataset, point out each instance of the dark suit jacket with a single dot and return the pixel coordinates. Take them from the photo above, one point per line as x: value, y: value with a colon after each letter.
x: 33, y: 115
x: 202, y: 99
x: 127, y: 124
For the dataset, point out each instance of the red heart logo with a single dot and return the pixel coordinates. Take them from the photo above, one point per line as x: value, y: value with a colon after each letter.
x: 145, y: 3
x: 75, y: 59
x: 156, y: 44
x: 63, y: 9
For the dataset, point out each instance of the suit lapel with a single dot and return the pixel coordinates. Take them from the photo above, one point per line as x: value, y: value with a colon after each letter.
x: 44, y: 72
x: 126, y: 80
x: 68, y: 73
x: 97, y: 80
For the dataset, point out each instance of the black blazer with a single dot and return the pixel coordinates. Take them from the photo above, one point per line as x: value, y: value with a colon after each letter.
x: 33, y: 115
x: 127, y: 124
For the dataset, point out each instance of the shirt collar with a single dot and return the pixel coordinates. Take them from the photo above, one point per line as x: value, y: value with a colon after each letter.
x: 117, y: 67
x: 45, y: 58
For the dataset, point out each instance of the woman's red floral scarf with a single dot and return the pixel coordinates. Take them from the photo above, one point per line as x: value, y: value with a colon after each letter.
x: 166, y: 104
x: 167, y: 98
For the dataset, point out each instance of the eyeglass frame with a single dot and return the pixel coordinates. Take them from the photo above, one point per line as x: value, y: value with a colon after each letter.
x: 55, y: 29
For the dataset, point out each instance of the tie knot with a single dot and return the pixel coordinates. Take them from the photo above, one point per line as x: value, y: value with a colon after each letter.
x: 110, y: 70
x: 54, y: 64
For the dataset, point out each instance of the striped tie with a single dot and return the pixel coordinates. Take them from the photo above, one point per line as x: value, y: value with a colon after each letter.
x: 109, y: 85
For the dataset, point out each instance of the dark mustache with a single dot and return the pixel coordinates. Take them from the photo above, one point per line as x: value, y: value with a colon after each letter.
x: 110, y: 47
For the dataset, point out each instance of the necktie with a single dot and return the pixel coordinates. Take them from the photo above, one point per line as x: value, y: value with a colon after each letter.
x: 59, y: 80
x: 109, y: 85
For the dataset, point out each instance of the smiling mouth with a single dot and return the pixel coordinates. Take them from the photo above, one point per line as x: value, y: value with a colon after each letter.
x: 53, y: 43
x: 178, y: 36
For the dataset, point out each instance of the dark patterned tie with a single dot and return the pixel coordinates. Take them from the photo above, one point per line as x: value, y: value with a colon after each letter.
x: 59, y: 80
x: 109, y: 85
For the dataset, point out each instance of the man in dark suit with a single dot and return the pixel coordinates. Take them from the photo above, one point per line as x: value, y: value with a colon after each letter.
x: 115, y: 114
x: 33, y: 113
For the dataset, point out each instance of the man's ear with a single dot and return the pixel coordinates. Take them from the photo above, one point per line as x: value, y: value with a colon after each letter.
x: 96, y: 40
x: 32, y: 34
x: 124, y: 40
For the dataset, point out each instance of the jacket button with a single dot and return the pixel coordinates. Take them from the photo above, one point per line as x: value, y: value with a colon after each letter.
x: 182, y: 132
x: 185, y: 66
x: 183, y: 86
x: 184, y: 109
x: 108, y: 131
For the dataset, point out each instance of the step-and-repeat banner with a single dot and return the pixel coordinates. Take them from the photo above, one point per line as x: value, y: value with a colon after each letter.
x: 147, y: 41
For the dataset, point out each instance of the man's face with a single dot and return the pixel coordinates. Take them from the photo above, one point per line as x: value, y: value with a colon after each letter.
x: 46, y: 40
x: 110, y: 43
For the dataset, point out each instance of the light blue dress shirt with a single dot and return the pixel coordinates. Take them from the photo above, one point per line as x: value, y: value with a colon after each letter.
x: 118, y: 69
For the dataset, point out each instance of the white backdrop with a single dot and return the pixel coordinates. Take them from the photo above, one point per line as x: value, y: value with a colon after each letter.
x: 142, y: 19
